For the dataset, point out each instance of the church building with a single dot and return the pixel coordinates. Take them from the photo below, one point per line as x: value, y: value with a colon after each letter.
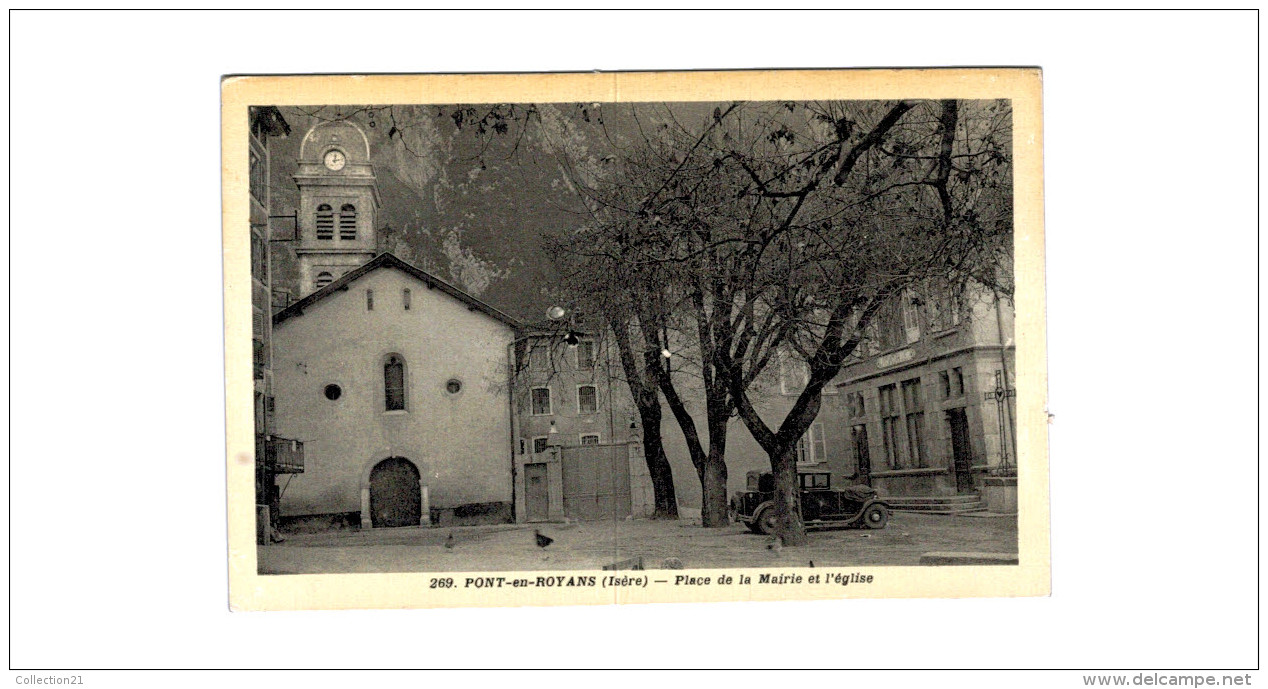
x: 396, y: 381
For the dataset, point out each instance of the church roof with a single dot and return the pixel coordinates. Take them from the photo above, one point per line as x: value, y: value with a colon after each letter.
x: 389, y: 260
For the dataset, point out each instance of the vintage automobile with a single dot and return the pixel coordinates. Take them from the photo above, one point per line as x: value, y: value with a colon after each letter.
x: 822, y: 506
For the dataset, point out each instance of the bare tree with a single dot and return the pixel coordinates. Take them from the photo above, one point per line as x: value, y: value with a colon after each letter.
x: 782, y: 230
x: 633, y: 252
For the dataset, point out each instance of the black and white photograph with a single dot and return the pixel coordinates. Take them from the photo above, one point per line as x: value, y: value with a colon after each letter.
x: 588, y: 336
x: 410, y: 347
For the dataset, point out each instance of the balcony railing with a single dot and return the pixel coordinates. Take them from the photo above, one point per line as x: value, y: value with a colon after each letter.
x: 285, y: 455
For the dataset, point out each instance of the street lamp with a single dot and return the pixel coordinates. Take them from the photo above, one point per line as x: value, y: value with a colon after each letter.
x: 556, y: 313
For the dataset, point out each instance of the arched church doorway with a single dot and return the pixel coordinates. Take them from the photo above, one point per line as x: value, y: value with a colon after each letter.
x: 395, y: 495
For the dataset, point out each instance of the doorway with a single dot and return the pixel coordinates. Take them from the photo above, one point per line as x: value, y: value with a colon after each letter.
x: 596, y: 482
x: 862, y: 459
x: 396, y: 498
x: 536, y: 492
x: 961, y: 450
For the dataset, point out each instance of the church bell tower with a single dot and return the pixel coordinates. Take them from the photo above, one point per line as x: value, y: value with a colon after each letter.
x: 338, y: 200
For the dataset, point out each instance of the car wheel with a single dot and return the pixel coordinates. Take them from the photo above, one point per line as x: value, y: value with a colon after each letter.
x: 876, y: 517
x: 766, y: 522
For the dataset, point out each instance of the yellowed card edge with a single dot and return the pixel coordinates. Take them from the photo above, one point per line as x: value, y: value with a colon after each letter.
x: 1032, y: 577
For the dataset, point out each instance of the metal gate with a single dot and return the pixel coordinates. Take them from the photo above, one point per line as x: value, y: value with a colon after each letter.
x: 596, y: 482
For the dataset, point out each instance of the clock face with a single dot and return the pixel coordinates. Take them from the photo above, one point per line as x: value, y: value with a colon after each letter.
x: 335, y: 160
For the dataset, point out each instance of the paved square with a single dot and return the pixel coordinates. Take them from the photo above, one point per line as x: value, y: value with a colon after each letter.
x: 591, y: 545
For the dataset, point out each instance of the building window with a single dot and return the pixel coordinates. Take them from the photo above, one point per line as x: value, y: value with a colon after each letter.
x: 944, y: 307
x: 857, y: 408
x: 325, y: 222
x: 889, y: 325
x: 911, y: 318
x: 540, y: 358
x: 914, y: 408
x: 259, y: 358
x: 585, y: 355
x: 541, y: 401
x: 348, y: 221
x: 323, y: 279
x: 587, y: 399
x: 589, y: 439
x: 394, y: 382
x: 454, y: 386
x: 952, y: 383
x: 811, y: 448
x: 333, y: 392
x: 889, y: 424
x: 793, y: 375
x: 259, y: 258
x: 540, y: 443
x: 261, y: 423
x: 916, y: 439
x: 369, y: 300
x: 405, y: 295
x: 258, y: 180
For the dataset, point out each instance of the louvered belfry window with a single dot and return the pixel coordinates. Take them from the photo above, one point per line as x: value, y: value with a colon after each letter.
x: 325, y: 222
x: 348, y: 221
x: 394, y: 382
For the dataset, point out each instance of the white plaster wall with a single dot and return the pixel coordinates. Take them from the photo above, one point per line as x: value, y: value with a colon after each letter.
x: 461, y: 443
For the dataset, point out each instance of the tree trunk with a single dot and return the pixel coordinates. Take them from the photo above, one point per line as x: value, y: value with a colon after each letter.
x: 648, y: 403
x: 781, y: 449
x: 788, y: 522
x: 658, y: 464
x: 714, y: 511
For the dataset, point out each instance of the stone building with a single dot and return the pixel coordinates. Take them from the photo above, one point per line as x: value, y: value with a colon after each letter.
x: 576, y: 441
x: 273, y: 455
x: 927, y: 403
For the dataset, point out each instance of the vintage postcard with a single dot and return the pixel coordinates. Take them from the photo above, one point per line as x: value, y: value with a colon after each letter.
x: 503, y: 340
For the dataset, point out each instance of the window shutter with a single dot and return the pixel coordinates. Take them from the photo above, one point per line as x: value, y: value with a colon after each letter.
x: 348, y: 222
x: 325, y: 222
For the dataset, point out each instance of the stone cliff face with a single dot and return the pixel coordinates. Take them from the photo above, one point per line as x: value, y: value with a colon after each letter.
x: 471, y: 213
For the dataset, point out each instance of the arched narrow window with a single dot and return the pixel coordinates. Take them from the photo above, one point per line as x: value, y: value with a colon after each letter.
x: 348, y: 221
x: 323, y: 279
x: 369, y: 300
x: 405, y: 298
x: 394, y: 382
x: 325, y: 222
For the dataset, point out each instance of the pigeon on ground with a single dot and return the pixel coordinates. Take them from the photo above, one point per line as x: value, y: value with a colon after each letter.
x: 542, y: 540
x: 449, y: 541
x: 776, y: 545
x: 812, y: 563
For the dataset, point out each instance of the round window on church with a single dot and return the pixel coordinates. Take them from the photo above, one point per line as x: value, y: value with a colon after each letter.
x: 333, y: 392
x: 454, y: 386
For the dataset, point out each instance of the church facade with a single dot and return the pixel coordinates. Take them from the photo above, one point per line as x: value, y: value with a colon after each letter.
x: 395, y: 380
